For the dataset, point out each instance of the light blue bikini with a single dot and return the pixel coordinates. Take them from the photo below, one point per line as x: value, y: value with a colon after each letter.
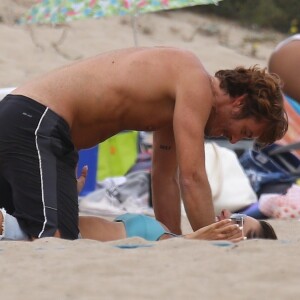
x: 142, y: 226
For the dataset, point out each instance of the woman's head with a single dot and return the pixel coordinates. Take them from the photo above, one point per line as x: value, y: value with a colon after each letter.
x: 253, y: 229
x: 263, y: 99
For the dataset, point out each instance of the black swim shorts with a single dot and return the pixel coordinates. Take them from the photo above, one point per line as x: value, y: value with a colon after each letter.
x: 37, y: 168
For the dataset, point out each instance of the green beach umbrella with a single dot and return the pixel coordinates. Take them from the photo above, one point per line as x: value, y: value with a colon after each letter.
x: 61, y: 11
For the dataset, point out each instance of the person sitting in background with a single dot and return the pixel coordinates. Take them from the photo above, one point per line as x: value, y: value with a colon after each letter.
x: 285, y: 62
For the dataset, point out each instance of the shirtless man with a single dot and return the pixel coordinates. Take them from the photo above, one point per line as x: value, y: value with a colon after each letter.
x: 166, y: 90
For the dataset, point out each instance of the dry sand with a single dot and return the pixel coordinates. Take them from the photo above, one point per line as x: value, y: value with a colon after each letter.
x: 27, y: 51
x: 173, y: 269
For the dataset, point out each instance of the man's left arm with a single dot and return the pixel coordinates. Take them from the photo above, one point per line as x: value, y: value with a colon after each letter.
x: 194, y: 102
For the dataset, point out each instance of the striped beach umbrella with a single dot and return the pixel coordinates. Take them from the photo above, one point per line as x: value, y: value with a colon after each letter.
x: 61, y: 11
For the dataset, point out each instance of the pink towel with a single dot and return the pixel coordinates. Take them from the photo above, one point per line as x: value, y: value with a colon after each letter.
x: 282, y: 206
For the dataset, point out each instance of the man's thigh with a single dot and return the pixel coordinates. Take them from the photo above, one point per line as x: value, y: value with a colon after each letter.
x: 37, y: 168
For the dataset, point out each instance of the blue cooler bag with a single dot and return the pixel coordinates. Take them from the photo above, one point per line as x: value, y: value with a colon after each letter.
x: 261, y: 167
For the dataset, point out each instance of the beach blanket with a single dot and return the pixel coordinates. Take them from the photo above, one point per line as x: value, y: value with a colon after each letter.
x: 118, y: 195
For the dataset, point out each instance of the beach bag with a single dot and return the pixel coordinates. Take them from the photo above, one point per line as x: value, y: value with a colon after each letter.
x: 284, y: 157
x: 268, y: 167
x: 229, y: 184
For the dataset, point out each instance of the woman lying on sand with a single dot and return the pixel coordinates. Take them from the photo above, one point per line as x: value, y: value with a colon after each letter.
x: 129, y: 225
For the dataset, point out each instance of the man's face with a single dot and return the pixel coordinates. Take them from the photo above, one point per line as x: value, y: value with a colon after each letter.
x: 252, y: 228
x: 234, y: 129
x: 224, y: 121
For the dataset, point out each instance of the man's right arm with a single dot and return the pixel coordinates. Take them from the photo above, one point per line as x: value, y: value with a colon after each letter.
x: 165, y: 188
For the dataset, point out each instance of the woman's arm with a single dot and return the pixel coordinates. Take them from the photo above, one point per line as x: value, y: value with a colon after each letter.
x: 222, y: 230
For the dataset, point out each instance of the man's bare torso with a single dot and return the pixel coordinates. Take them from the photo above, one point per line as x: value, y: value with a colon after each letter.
x: 126, y: 89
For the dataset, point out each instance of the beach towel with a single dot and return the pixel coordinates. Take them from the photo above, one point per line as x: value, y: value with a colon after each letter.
x: 118, y: 195
x: 293, y: 134
x: 230, y: 186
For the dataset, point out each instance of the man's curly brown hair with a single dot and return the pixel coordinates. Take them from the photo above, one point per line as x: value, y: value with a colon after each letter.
x: 263, y: 99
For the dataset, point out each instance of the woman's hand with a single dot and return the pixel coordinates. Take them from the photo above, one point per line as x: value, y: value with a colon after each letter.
x: 222, y: 230
x: 81, y: 179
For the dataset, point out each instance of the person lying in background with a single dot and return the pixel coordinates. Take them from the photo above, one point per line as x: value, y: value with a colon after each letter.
x: 285, y: 62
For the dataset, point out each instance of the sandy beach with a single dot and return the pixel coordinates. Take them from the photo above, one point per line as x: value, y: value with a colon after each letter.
x: 29, y: 50
x: 173, y: 269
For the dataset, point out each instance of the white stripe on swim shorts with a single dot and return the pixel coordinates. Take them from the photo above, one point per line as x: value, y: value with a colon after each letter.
x: 41, y: 171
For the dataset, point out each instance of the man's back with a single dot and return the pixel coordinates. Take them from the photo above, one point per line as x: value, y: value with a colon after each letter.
x: 127, y: 89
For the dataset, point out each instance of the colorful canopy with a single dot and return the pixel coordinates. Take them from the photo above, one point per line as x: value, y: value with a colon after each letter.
x: 61, y: 11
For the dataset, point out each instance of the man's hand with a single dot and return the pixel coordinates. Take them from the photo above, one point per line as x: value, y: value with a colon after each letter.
x: 81, y: 179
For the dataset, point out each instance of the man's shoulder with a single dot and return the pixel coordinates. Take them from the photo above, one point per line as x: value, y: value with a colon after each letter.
x: 164, y: 53
x: 181, y: 59
x: 180, y: 52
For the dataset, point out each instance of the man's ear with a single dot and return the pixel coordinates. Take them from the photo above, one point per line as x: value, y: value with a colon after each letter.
x: 239, y: 101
